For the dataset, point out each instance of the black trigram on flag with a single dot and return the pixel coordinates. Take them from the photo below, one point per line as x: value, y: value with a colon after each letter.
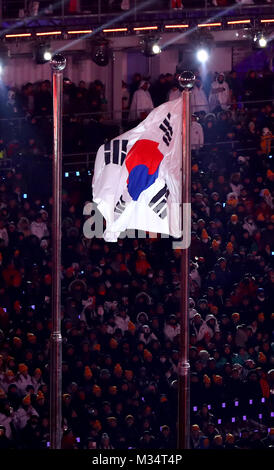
x: 120, y: 206
x: 159, y: 202
x: 167, y: 130
x: 115, y: 151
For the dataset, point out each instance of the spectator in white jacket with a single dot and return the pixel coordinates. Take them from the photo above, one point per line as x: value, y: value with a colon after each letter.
x: 198, y: 98
x: 8, y: 379
x: 23, y: 379
x: 198, y: 326
x: 23, y: 414
x: 122, y: 320
x: 194, y: 273
x: 141, y: 104
x: 39, y: 228
x: 37, y: 380
x: 146, y: 336
x: 219, y: 94
x: 192, y: 310
x: 171, y: 328
x: 235, y: 183
x: 6, y: 420
x: 206, y: 327
x: 211, y: 325
x: 196, y: 134
x: 250, y: 225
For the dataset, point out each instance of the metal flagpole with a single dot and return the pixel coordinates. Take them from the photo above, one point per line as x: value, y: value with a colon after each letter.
x: 186, y: 81
x: 58, y: 64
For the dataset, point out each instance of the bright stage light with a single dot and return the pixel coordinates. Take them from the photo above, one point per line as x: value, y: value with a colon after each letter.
x: 150, y: 46
x: 262, y: 41
x: 202, y: 56
x: 156, y: 49
x: 259, y: 40
x: 42, y: 53
x: 47, y: 55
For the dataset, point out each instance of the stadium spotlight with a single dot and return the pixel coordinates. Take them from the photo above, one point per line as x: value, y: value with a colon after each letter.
x: 150, y: 46
x: 201, y: 44
x: 42, y: 53
x: 156, y: 49
x: 101, y: 52
x: 202, y: 55
x: 260, y: 40
x: 47, y: 55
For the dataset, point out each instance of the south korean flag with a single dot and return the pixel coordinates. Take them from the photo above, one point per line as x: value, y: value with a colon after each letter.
x: 137, y: 176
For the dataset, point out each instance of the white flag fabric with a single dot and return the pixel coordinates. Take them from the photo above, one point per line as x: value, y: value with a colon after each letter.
x: 137, y: 177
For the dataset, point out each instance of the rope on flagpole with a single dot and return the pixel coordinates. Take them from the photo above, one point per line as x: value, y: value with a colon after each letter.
x: 186, y: 80
x: 58, y: 64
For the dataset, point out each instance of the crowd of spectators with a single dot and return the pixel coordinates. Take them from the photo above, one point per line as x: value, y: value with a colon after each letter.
x: 27, y: 117
x: 22, y: 8
x: 121, y: 302
x: 225, y: 106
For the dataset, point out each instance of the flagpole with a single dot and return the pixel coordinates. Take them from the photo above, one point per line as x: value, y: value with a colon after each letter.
x: 186, y: 81
x: 58, y: 64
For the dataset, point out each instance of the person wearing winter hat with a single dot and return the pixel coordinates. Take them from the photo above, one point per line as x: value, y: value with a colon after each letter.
x: 195, y: 436
x: 113, y: 390
x: 204, y: 236
x: 204, y: 355
x: 232, y: 201
x: 219, y: 94
x: 230, y: 441
x: 24, y: 412
x: 215, y: 244
x: 235, y: 318
x: 195, y: 168
x: 37, y: 379
x: 87, y: 373
x: 262, y: 359
x: 131, y: 327
x: 97, y: 391
x: 217, y: 442
x: 229, y: 248
x: 97, y: 346
x: 141, y: 319
x: 8, y: 379
x: 206, y: 380
x: 40, y: 396
x: 27, y: 400
x: 147, y: 355
x: 24, y: 379
x: 118, y: 370
x: 31, y: 338
x: 142, y: 265
x: 113, y: 344
x: 96, y: 425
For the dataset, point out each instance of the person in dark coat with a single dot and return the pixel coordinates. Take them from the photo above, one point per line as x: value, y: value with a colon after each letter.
x: 5, y: 443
